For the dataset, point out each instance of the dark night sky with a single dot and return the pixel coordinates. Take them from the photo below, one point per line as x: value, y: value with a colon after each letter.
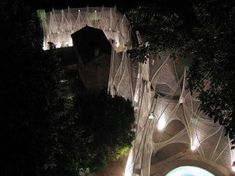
x: 182, y: 7
x: 122, y: 5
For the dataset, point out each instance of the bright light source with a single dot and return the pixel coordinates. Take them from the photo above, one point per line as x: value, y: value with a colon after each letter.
x: 129, y: 164
x: 181, y: 100
x: 193, y: 147
x: 117, y: 43
x: 233, y: 166
x: 58, y: 45
x: 63, y: 80
x: 161, y: 122
x: 151, y: 116
x: 189, y: 170
x: 116, y: 39
x: 195, y: 144
x: 136, y: 97
x: 69, y: 43
x: 44, y: 47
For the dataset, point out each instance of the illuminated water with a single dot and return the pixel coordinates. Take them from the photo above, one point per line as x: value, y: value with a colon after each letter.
x: 189, y: 171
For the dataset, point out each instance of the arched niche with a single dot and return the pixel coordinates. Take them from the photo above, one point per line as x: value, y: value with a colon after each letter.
x: 168, y: 151
x: 170, y: 131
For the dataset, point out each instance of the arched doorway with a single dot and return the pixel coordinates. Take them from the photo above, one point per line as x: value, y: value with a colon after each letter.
x: 94, y: 52
x: 90, y: 43
x: 189, y: 171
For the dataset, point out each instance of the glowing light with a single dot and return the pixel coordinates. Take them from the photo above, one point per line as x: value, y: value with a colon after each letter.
x: 151, y: 116
x: 69, y: 43
x: 63, y: 80
x: 195, y: 144
x: 44, y: 46
x: 233, y: 166
x: 136, y: 97
x: 129, y: 164
x: 193, y: 147
x: 117, y: 43
x: 189, y: 170
x: 116, y: 38
x: 161, y: 122
x: 58, y: 45
x: 181, y: 100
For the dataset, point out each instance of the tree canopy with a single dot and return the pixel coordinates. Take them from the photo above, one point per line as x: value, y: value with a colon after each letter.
x: 44, y: 126
x: 213, y: 69
x: 109, y: 121
x: 209, y: 41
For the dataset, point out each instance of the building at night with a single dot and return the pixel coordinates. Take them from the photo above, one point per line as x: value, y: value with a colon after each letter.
x: 171, y: 130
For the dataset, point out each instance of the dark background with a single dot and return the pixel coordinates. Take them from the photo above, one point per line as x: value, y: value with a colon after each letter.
x: 122, y: 5
x: 184, y: 8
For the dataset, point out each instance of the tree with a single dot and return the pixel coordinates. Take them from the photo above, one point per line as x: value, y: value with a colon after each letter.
x: 160, y: 29
x: 43, y: 131
x: 38, y: 121
x: 209, y: 41
x: 213, y: 70
x: 109, y: 121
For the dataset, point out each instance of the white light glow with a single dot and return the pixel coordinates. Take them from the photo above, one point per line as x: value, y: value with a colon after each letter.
x: 181, y: 100
x: 161, y: 122
x: 193, y: 147
x: 195, y: 144
x: 129, y: 164
x: 233, y: 168
x: 58, y: 45
x: 151, y: 116
x: 63, y: 80
x: 136, y: 98
x: 116, y: 39
x: 189, y: 170
x: 44, y: 46
x: 69, y: 43
x: 117, y: 43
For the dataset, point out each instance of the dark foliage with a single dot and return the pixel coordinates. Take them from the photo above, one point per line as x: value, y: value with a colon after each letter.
x: 37, y: 120
x: 209, y: 41
x: 108, y: 120
x: 213, y: 44
x: 160, y: 30
x: 42, y: 131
